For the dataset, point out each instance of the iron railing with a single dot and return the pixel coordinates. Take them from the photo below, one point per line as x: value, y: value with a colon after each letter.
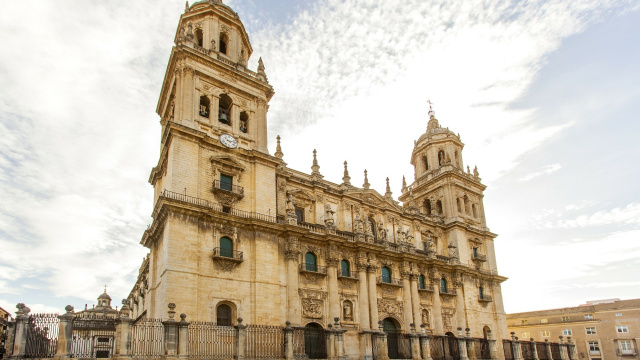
x: 298, y: 344
x: 236, y: 189
x: 527, y: 350
x: 426, y: 287
x: 147, y: 339
x: 384, y: 280
x: 481, y: 347
x: 444, y: 348
x: 555, y: 351
x: 399, y: 345
x: 264, y: 342
x: 227, y: 253
x: 93, y: 336
x: 210, y: 341
x: 479, y: 257
x: 541, y: 348
x: 347, y: 274
x: 42, y: 335
x: 507, y: 346
x: 314, y: 268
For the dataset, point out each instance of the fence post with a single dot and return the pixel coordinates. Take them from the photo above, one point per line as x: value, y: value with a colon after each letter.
x: 11, y: 333
x: 381, y: 338
x: 571, y: 347
x: 493, y: 347
x: 471, y: 349
x: 20, y: 339
x: 123, y: 333
x: 331, y: 344
x: 339, y: 339
x: 241, y: 344
x: 415, y: 343
x: 425, y: 346
x: 548, y: 348
x: 563, y: 349
x: 516, y: 347
x: 534, y: 350
x: 171, y: 334
x: 288, y: 341
x: 462, y: 346
x: 183, y: 337
x: 65, y: 334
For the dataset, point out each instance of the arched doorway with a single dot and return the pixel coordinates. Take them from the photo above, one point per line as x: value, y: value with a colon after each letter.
x: 451, y: 346
x: 398, y: 346
x: 315, y: 342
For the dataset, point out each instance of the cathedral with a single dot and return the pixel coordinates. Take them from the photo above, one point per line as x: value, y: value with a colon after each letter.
x: 238, y: 234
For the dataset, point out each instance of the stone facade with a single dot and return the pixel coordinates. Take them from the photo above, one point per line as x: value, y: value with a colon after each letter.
x: 236, y: 233
x: 601, y: 330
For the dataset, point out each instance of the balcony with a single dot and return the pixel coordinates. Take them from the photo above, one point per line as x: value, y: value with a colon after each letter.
x: 347, y: 275
x: 426, y: 288
x: 383, y: 280
x: 227, y: 259
x: 594, y: 352
x: 448, y: 292
x: 227, y: 193
x: 485, y: 298
x: 313, y: 269
x: 479, y: 257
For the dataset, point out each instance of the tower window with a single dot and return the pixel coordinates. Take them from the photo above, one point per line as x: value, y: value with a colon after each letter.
x: 481, y: 292
x: 474, y: 210
x: 300, y: 214
x: 459, y: 203
x: 226, y: 182
x: 199, y: 37
x: 226, y: 247
x: 421, y: 283
x: 204, y: 106
x: 427, y: 207
x: 439, y: 207
x: 425, y: 162
x: 224, y: 41
x: 244, y: 122
x: 440, y: 157
x: 224, y: 109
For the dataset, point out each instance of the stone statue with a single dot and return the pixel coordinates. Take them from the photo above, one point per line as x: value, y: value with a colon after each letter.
x: 367, y: 226
x: 290, y: 204
x: 425, y: 318
x: 475, y: 172
x: 357, y: 224
x: 328, y: 215
x: 382, y: 232
x: 431, y: 246
x: 347, y: 311
x: 453, y: 251
x: 401, y: 236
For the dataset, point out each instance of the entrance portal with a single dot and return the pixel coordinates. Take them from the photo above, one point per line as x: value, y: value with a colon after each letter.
x: 315, y: 342
x: 398, y: 345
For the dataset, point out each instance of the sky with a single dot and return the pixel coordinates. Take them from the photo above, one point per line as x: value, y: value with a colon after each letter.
x: 545, y: 95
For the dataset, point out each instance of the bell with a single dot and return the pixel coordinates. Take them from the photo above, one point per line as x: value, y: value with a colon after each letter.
x: 223, y: 118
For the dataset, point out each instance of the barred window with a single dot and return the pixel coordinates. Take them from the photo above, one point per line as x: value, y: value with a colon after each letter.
x: 223, y: 315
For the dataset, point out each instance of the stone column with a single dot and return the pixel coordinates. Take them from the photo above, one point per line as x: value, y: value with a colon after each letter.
x: 366, y: 338
x: 340, y: 351
x: 563, y: 350
x: 363, y: 297
x: 240, y: 342
x: 493, y: 347
x: 262, y: 126
x: 334, y: 299
x: 548, y: 348
x: 471, y: 349
x: 406, y: 298
x: 460, y: 305
x: 293, y: 302
x: 415, y: 346
x: 171, y: 335
x: 383, y: 350
x: 437, y: 309
x: 462, y: 346
x: 426, y: 347
x: 123, y: 334
x: 516, y: 347
x: 288, y: 341
x: 11, y: 334
x: 331, y: 343
x: 415, y: 300
x: 20, y: 337
x: 571, y: 348
x: 65, y: 334
x: 183, y: 337
x: 534, y: 350
x: 373, y: 296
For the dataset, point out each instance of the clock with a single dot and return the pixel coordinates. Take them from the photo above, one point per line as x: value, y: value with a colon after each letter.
x: 228, y: 141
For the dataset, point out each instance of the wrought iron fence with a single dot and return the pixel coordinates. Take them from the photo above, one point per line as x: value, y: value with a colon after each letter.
x: 264, y: 342
x: 555, y: 351
x: 399, y: 345
x: 541, y: 348
x: 569, y: 352
x: 480, y: 348
x: 507, y: 345
x: 298, y: 344
x: 374, y: 346
x: 444, y: 348
x: 93, y: 337
x: 527, y: 350
x: 147, y: 339
x: 210, y: 341
x: 42, y: 335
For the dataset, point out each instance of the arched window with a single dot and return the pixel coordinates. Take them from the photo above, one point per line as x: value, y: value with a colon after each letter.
x: 199, y: 37
x: 345, y: 268
x: 439, y: 207
x: 467, y: 205
x: 481, y: 292
x: 224, y: 109
x: 421, y: 283
x: 440, y: 157
x: 204, y: 106
x: 427, y: 207
x: 425, y: 163
x: 459, y: 203
x: 443, y: 285
x: 224, y: 42
x: 310, y: 263
x: 244, y: 122
x: 456, y: 159
x: 386, y: 275
x: 223, y: 315
x: 226, y: 247
x: 474, y: 210
x: 372, y: 223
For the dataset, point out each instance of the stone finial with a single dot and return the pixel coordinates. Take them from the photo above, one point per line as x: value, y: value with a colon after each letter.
x: 278, y: 153
x: 336, y: 321
x: 468, y: 331
x: 475, y: 172
x: 513, y: 335
x: 315, y: 168
x: 468, y: 171
x: 183, y: 318
x: 388, y: 193
x: 186, y: 6
x: 171, y: 311
x: 68, y: 309
x: 346, y: 179
x: 261, y: 73
x: 404, y: 184
x: 240, y: 320
x: 366, y: 184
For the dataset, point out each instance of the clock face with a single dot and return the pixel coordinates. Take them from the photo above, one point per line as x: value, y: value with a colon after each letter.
x: 228, y: 141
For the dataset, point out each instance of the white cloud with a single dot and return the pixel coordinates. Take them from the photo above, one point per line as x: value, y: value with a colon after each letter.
x: 549, y: 169
x: 628, y: 215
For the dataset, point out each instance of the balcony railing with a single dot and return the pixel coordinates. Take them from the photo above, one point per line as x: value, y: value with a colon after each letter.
x: 238, y: 190
x: 383, y: 280
x: 485, y: 297
x: 449, y: 291
x: 347, y: 274
x: 479, y: 257
x: 227, y: 254
x: 313, y: 268
x: 427, y: 287
x: 594, y: 352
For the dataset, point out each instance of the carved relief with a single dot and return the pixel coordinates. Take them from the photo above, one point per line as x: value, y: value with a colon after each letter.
x: 312, y: 308
x: 312, y: 294
x: 447, y: 315
x: 388, y: 307
x: 312, y: 278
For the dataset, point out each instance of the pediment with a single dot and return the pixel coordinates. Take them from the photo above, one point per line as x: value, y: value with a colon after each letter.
x: 228, y: 161
x: 301, y: 197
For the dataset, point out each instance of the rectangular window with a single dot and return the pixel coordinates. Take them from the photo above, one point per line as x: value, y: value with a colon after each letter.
x: 524, y: 322
x: 475, y: 252
x: 226, y: 182
x: 618, y: 314
x: 565, y: 318
x: 566, y: 332
x: 545, y: 333
x: 594, y: 348
x: 543, y: 321
x: 622, y: 329
x: 588, y: 316
x: 591, y: 330
x: 626, y: 347
x: 525, y: 335
x: 300, y: 214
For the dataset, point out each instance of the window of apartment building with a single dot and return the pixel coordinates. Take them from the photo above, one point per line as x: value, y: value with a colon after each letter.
x: 524, y: 322
x: 525, y: 335
x: 622, y: 329
x: 545, y: 333
x: 565, y: 318
x: 543, y: 321
x: 625, y: 346
x: 594, y: 348
x: 588, y: 316
x: 591, y: 330
x: 618, y: 314
x: 566, y: 332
